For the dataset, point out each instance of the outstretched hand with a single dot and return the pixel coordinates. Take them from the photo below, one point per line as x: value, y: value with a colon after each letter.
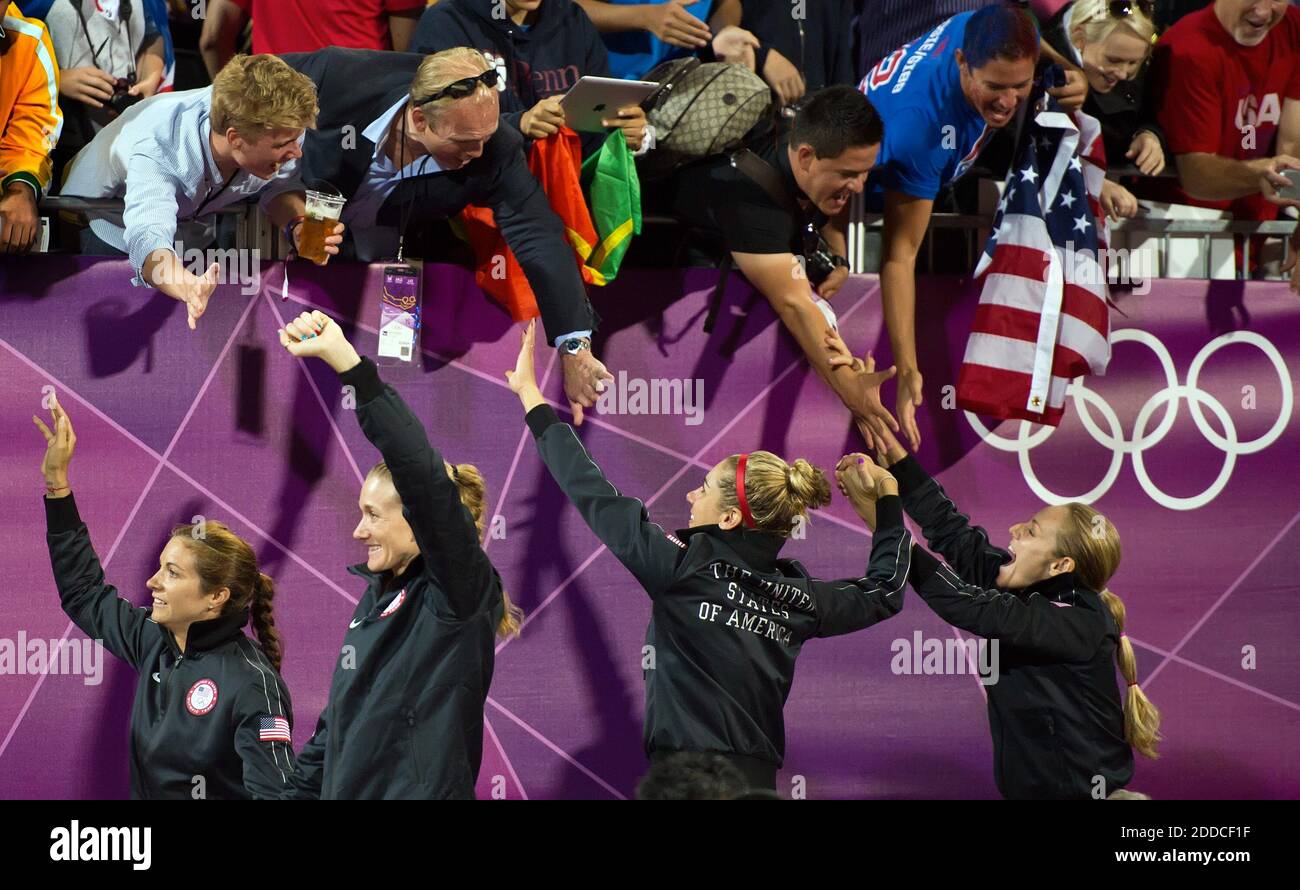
x: 872, y: 416
x: 196, y: 293
x: 523, y: 379
x: 59, y: 445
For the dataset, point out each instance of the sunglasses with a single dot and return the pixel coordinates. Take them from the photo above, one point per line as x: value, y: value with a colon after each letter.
x: 459, y: 89
x: 1121, y: 8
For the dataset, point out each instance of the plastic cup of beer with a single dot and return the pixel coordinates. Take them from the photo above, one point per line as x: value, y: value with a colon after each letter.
x: 323, y: 211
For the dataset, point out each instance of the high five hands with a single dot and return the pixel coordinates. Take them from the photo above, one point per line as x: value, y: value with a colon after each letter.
x: 873, y: 418
x: 523, y: 379
x: 863, y: 483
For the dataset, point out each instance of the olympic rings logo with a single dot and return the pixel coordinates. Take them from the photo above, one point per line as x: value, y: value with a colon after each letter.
x: 1170, y: 396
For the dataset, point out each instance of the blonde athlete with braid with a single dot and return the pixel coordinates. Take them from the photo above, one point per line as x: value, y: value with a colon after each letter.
x: 729, y: 617
x: 1061, y: 728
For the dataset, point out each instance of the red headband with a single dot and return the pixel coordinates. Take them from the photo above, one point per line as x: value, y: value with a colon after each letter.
x: 745, y: 515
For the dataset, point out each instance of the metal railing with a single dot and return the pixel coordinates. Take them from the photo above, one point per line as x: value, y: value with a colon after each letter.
x: 865, y: 228
x: 254, y: 229
x: 251, y: 225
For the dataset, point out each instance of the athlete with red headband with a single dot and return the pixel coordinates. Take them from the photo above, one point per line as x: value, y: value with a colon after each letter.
x: 729, y: 617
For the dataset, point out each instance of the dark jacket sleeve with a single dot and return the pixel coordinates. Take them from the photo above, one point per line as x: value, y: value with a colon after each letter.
x: 1035, y: 624
x: 536, y: 236
x: 268, y: 765
x: 620, y: 522
x: 312, y: 64
x: 443, y: 527
x: 92, y: 604
x: 1146, y: 114
x: 854, y: 603
x: 839, y: 71
x: 431, y: 32
x: 309, y: 769
x: 948, y: 531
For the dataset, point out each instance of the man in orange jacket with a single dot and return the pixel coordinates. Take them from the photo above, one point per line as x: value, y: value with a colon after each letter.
x: 30, y: 122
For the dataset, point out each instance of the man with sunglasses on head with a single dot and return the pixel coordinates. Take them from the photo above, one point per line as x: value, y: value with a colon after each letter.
x: 1228, y: 82
x: 411, y: 139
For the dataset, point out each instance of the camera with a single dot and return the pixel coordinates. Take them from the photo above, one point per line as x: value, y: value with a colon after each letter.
x: 819, y: 264
x: 122, y: 99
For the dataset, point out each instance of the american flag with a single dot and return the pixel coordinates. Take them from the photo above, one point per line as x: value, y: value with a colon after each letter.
x: 1042, y: 318
x: 274, y: 729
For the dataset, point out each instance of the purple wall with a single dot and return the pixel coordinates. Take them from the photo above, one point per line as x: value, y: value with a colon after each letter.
x: 170, y: 425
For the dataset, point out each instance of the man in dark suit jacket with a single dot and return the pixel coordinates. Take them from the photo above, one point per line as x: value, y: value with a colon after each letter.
x: 409, y: 138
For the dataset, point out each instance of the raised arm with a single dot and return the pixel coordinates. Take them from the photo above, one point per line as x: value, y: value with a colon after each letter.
x: 622, y: 523
x: 89, y: 601
x: 1063, y: 633
x: 536, y: 236
x: 946, y: 529
x: 443, y: 527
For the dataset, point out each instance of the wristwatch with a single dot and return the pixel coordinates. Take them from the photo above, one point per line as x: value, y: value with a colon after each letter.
x: 837, y: 261
x: 574, y: 345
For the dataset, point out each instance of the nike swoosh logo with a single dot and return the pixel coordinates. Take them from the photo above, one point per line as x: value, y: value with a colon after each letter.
x: 155, y: 679
x: 355, y: 622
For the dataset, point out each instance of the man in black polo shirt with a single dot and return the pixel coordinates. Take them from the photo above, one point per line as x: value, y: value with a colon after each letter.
x: 770, y: 207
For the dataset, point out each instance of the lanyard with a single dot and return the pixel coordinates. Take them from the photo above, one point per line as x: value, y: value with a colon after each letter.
x: 125, y: 19
x: 212, y: 196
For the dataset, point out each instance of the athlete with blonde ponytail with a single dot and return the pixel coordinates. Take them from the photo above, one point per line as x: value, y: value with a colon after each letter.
x: 729, y: 617
x: 1061, y: 727
x: 404, y: 717
x: 211, y: 717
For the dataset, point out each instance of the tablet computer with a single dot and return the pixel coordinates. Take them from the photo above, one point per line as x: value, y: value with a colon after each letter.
x: 593, y: 99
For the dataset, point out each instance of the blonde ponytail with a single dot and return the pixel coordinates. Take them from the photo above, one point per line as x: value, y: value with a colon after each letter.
x: 1141, y: 717
x: 776, y: 492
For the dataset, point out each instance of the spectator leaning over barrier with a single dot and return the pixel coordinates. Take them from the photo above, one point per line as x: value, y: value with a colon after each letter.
x: 1228, y: 77
x: 30, y: 122
x: 540, y: 48
x: 941, y: 98
x: 303, y: 26
x: 180, y: 157
x: 411, y: 140
x: 110, y: 57
x: 817, y: 166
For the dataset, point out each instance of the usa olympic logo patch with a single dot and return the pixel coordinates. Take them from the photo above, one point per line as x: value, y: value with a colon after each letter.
x: 202, y: 697
x: 394, y: 605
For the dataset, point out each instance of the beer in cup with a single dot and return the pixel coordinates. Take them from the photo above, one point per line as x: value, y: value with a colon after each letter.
x: 323, y: 210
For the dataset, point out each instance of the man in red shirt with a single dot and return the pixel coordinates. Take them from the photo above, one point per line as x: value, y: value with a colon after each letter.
x: 1228, y: 78
x: 302, y: 26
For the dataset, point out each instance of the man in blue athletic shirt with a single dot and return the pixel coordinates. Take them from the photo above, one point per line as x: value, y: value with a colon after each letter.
x: 941, y: 97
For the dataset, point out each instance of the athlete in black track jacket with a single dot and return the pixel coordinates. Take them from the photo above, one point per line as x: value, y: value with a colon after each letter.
x: 404, y: 717
x: 1055, y: 710
x: 729, y: 617
x: 211, y: 717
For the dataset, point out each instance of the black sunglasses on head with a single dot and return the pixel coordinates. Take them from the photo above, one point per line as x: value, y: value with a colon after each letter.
x: 459, y: 89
